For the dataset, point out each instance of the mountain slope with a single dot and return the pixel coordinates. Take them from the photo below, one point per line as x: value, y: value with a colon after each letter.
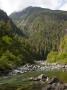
x: 44, y: 28
x: 13, y: 49
x: 4, y: 20
x: 61, y: 55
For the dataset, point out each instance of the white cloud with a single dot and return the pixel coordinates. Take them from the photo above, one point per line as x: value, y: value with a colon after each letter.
x: 51, y: 3
x: 15, y: 5
x: 64, y: 7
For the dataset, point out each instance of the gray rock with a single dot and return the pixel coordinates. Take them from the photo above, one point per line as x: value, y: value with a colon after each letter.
x: 42, y: 77
x: 53, y: 80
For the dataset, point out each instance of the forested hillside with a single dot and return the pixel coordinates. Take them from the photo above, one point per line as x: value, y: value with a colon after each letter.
x: 59, y: 56
x: 13, y: 50
x: 44, y: 29
x: 40, y: 34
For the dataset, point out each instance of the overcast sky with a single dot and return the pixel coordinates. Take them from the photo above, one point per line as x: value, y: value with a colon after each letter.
x: 10, y: 6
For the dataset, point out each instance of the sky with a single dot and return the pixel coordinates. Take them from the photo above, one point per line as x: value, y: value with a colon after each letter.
x: 10, y: 6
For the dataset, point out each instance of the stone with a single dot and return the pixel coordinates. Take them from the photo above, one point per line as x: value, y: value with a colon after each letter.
x: 36, y: 79
x: 42, y: 77
x: 31, y: 78
x: 53, y: 80
x: 48, y: 87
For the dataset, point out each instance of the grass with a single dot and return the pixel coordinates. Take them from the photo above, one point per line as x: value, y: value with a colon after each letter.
x: 21, y: 80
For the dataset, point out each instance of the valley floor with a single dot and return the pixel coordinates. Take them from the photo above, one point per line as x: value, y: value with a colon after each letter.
x: 39, y: 66
x: 26, y: 77
x: 22, y: 82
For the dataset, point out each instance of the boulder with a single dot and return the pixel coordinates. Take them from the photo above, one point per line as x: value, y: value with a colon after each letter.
x: 65, y: 86
x: 48, y: 87
x: 53, y: 80
x: 36, y: 79
x: 42, y: 77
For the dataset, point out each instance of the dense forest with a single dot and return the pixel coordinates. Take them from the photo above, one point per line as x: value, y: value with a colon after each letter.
x: 13, y: 49
x: 32, y: 34
x: 44, y: 28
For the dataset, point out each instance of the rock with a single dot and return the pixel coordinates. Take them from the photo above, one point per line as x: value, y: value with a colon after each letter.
x: 53, y: 80
x: 51, y: 84
x: 36, y: 79
x: 65, y: 86
x: 48, y: 87
x: 37, y: 67
x: 42, y: 77
x: 54, y: 86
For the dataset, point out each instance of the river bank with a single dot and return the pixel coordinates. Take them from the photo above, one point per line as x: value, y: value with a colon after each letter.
x: 39, y: 67
x: 34, y: 80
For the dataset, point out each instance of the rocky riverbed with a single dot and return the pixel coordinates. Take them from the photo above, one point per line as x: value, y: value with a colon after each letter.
x: 38, y: 67
x: 49, y: 83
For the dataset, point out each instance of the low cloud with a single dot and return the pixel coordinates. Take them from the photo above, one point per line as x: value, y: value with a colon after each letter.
x: 15, y: 5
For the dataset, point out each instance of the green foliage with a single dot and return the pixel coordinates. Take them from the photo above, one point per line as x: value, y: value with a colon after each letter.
x: 52, y: 57
x: 7, y: 39
x: 55, y: 57
x: 14, y: 49
x: 61, y: 56
x: 63, y: 50
x: 44, y: 29
x: 63, y: 45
